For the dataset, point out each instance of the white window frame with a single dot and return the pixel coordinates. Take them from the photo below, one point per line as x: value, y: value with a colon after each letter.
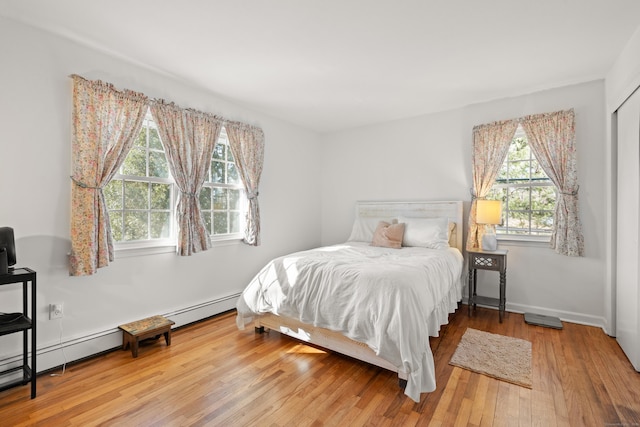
x: 500, y: 233
x: 125, y: 249
x: 224, y: 139
x: 156, y: 245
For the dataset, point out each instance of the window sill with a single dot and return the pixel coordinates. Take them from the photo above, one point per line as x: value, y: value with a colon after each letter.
x: 542, y: 242
x: 140, y: 249
x: 229, y: 241
x: 127, y: 251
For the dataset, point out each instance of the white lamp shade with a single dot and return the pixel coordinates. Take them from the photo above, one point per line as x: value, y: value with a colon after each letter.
x: 489, y: 212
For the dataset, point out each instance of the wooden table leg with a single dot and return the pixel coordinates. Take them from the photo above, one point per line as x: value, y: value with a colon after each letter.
x: 134, y: 347
x: 503, y: 297
x: 470, y: 290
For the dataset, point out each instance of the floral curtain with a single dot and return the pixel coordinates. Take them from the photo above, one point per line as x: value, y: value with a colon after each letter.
x: 490, y: 146
x: 105, y: 124
x: 552, y: 140
x: 189, y: 138
x: 247, y: 147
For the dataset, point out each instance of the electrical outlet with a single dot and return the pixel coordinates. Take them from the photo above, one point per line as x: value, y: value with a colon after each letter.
x: 56, y: 311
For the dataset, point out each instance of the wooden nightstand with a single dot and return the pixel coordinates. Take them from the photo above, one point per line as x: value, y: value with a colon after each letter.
x: 488, y: 260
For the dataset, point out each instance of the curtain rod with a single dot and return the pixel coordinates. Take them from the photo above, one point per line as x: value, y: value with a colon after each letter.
x: 524, y: 118
x: 165, y: 102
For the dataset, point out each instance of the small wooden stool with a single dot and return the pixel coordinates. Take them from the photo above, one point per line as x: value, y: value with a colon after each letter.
x: 134, y: 332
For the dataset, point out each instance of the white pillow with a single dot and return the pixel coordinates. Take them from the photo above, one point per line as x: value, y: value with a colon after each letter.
x: 430, y: 233
x: 363, y: 229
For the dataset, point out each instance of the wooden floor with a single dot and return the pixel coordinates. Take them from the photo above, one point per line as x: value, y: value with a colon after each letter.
x: 213, y: 374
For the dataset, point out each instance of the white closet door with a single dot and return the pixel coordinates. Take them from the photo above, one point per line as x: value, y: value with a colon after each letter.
x: 628, y: 249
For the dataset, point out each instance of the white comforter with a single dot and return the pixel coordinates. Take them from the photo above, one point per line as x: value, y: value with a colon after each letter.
x: 390, y: 299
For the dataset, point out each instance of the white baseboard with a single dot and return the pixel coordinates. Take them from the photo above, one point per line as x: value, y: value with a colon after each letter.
x: 71, y: 350
x: 79, y: 348
x: 565, y: 316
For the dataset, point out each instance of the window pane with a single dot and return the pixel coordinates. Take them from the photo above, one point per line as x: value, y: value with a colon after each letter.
x: 527, y: 193
x: 218, y: 152
x: 135, y: 163
x: 205, y: 198
x: 135, y: 226
x: 206, y: 215
x: 154, y: 139
x: 160, y: 225
x: 220, y: 199
x: 542, y: 221
x: 232, y: 174
x: 519, y: 198
x: 518, y: 223
x: 543, y: 198
x: 217, y: 172
x: 161, y: 196
x: 234, y: 219
x: 519, y: 171
x: 220, y: 223
x: 113, y: 194
x: 234, y: 200
x: 136, y: 195
x: 518, y: 150
x: 158, y: 165
x: 142, y: 208
x: 115, y: 219
x: 225, y: 203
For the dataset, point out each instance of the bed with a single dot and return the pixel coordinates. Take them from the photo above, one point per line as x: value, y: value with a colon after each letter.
x: 372, y: 302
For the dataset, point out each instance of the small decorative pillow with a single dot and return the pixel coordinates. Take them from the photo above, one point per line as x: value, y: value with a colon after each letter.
x: 388, y: 235
x: 430, y: 233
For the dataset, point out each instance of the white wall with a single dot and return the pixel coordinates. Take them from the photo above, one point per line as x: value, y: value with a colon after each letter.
x: 429, y: 157
x: 622, y: 79
x: 35, y: 141
x: 624, y: 76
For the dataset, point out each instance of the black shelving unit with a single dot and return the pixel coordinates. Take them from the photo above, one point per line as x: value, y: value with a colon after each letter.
x: 24, y: 323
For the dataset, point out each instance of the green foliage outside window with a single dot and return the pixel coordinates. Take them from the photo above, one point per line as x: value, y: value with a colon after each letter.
x: 221, y: 196
x: 528, y: 196
x: 140, y: 198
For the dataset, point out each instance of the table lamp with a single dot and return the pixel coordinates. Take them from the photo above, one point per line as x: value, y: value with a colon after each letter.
x: 489, y: 213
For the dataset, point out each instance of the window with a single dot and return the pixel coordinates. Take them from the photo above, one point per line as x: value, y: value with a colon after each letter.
x: 528, y: 195
x: 142, y: 196
x: 222, y: 199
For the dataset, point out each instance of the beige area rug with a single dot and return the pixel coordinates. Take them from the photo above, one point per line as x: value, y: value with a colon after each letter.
x: 505, y: 358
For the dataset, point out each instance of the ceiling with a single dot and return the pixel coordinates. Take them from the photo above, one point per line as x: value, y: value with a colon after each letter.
x: 330, y: 65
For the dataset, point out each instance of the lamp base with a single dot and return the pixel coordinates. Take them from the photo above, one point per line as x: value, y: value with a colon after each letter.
x: 489, y: 242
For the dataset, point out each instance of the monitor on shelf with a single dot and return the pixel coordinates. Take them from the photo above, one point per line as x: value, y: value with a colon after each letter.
x: 8, y: 246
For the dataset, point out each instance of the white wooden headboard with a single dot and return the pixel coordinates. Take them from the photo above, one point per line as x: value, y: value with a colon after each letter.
x: 417, y: 209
